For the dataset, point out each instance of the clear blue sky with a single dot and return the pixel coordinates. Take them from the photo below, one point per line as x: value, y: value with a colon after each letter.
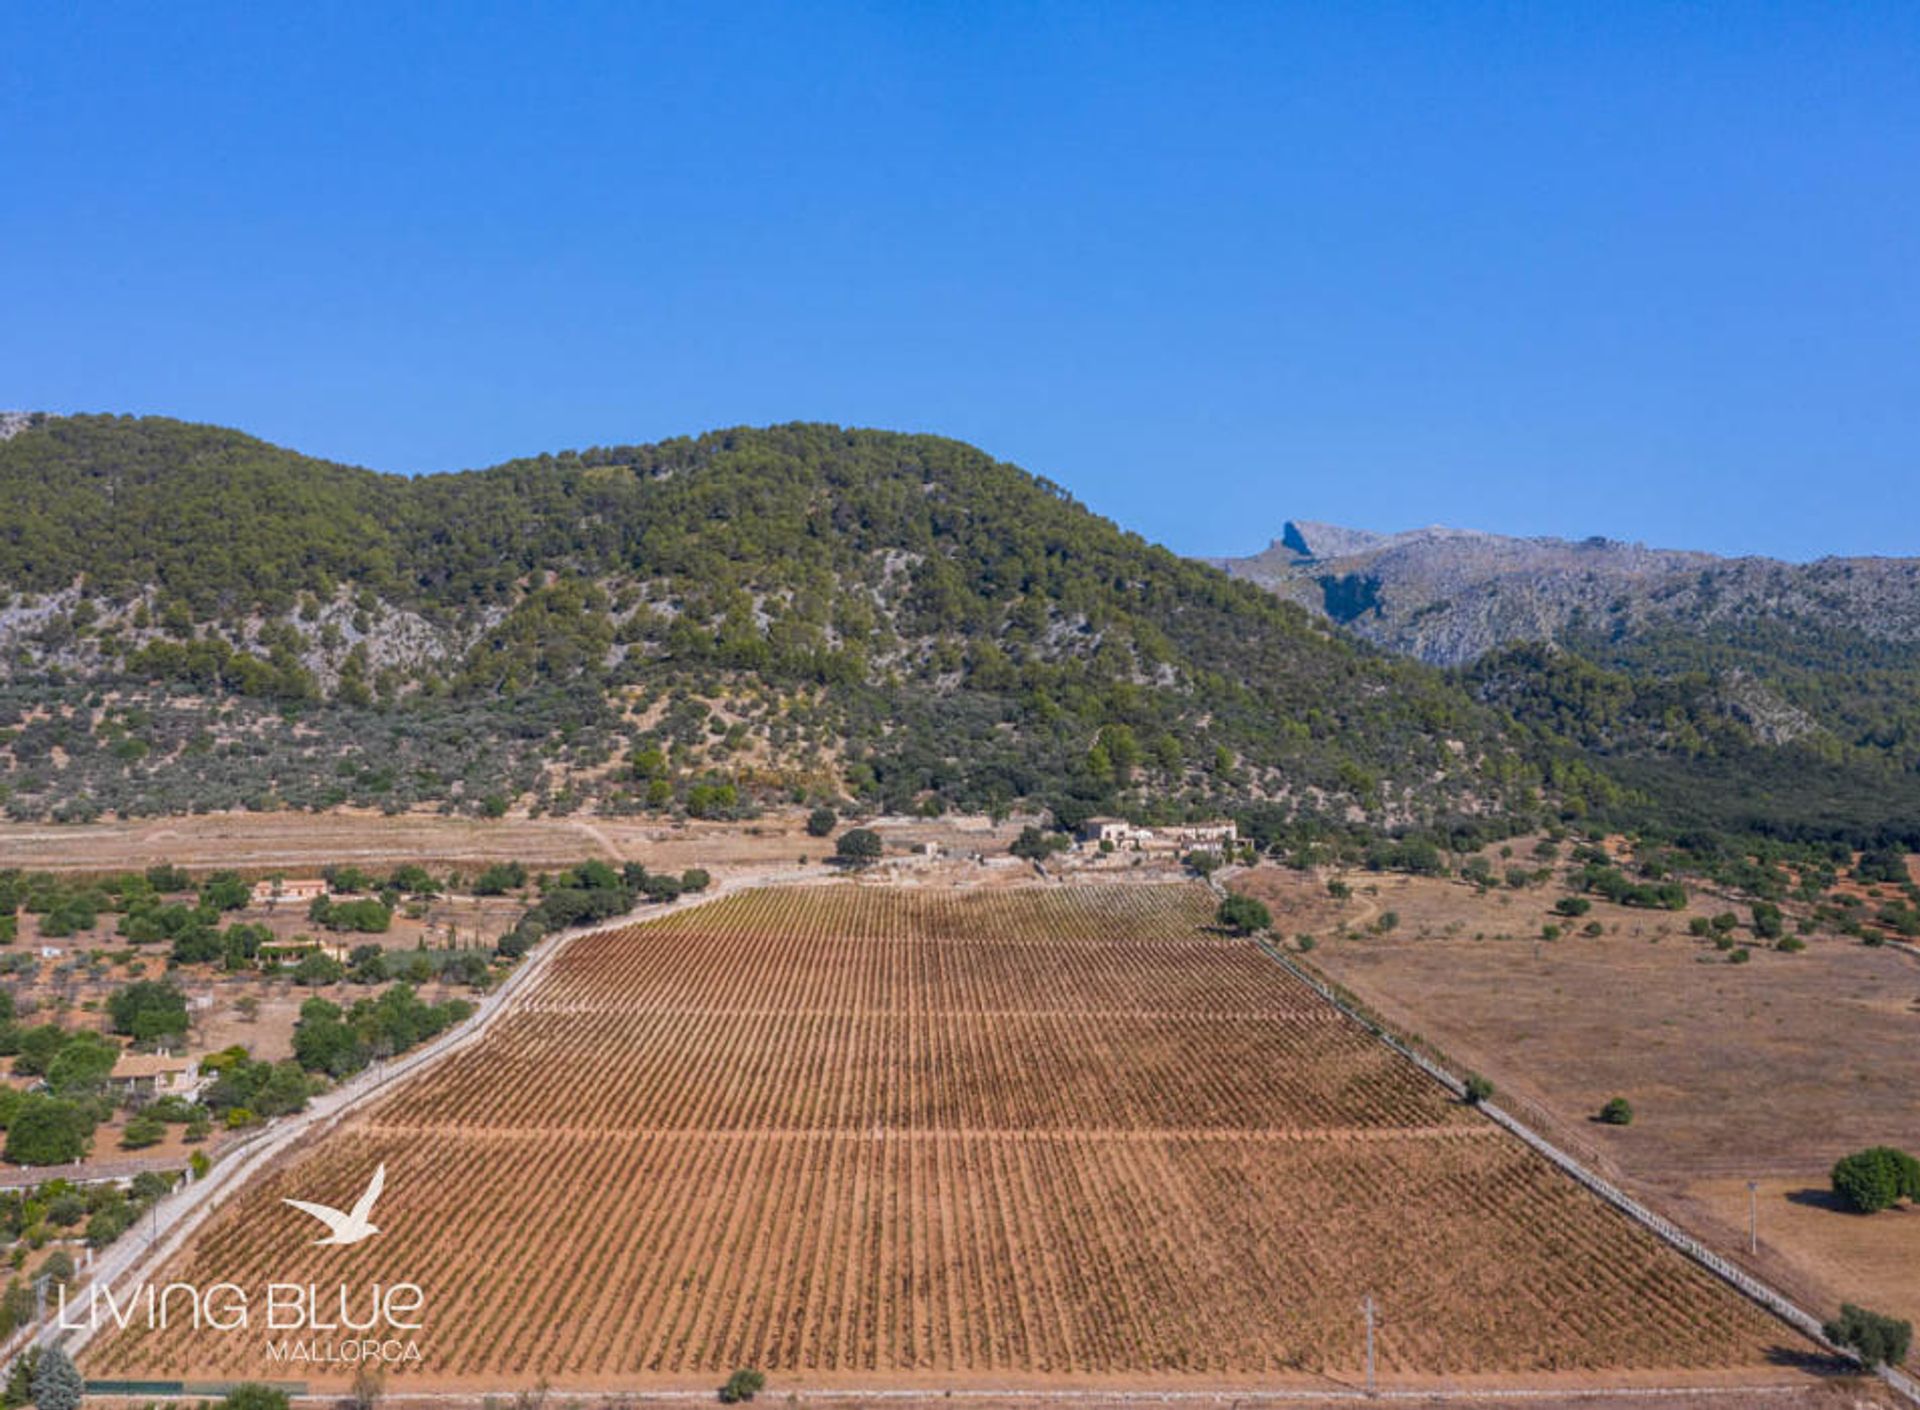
x: 1643, y: 270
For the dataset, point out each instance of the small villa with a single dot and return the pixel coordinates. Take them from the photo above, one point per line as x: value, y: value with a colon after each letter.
x: 277, y: 890
x: 155, y: 1075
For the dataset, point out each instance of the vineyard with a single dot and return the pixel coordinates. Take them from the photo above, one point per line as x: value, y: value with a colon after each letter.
x: 904, y: 1135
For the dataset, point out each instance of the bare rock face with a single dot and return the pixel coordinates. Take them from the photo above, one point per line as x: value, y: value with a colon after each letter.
x: 1306, y: 540
x: 1449, y: 596
x: 12, y: 423
x: 1771, y: 719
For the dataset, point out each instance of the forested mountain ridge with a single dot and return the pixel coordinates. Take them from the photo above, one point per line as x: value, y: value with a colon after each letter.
x: 192, y: 618
x: 1737, y: 690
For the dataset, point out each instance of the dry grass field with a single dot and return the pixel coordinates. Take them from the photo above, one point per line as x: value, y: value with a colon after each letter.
x: 300, y: 843
x: 1767, y: 1070
x: 870, y: 1136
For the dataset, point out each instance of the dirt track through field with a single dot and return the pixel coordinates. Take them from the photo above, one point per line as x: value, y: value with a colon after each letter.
x: 870, y: 1135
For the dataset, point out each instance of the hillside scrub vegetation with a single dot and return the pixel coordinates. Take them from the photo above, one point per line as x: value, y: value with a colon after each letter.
x: 947, y: 627
x: 820, y: 616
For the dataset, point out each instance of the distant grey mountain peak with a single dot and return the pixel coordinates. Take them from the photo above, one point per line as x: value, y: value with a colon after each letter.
x: 1450, y: 595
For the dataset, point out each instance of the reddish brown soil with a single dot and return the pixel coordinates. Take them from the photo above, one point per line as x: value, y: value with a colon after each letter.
x: 1043, y: 1137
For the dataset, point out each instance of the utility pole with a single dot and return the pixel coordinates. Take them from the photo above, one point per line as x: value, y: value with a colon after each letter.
x: 1366, y: 1307
x: 1753, y: 1217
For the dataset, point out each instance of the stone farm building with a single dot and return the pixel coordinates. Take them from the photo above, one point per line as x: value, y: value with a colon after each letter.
x: 303, y: 892
x: 1118, y: 831
x: 1122, y: 833
x: 1206, y: 834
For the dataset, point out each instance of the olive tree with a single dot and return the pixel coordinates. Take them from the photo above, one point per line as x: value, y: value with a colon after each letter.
x: 1243, y: 915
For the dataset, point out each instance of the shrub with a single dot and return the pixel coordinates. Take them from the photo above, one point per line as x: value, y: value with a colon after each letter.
x: 1479, y: 1089
x: 858, y: 847
x: 48, y: 1131
x: 658, y: 886
x: 1617, y: 1112
x: 1876, y: 1178
x: 148, y: 1010
x: 82, y: 1065
x: 143, y: 1131
x: 500, y: 878
x: 150, y: 1185
x: 316, y: 969
x: 16, y: 1310
x: 1877, y: 1340
x: 19, y: 1386
x: 1243, y: 915
x: 821, y: 822
x: 742, y: 1385
x: 414, y: 880
x: 1573, y: 905
x: 1033, y: 845
x: 166, y: 879
x: 110, y: 1223
x: 369, y: 916
x: 56, y: 1383
x: 255, y: 1397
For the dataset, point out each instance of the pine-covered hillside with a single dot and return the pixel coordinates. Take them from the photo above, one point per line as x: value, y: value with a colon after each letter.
x: 191, y: 618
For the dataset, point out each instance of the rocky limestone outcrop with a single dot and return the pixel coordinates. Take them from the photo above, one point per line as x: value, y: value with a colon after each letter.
x: 1449, y: 596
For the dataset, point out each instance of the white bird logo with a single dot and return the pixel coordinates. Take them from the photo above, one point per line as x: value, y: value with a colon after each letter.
x: 351, y: 1227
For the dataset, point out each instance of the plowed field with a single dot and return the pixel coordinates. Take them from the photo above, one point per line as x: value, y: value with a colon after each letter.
x: 931, y: 1137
